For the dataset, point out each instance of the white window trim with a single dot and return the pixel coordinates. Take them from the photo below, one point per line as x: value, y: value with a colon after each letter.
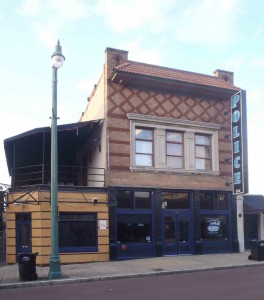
x: 189, y: 128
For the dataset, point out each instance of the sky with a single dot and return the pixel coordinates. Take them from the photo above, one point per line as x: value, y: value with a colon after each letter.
x: 193, y: 35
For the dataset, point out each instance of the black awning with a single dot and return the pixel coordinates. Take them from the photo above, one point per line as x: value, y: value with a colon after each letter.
x: 33, y: 147
x: 253, y: 203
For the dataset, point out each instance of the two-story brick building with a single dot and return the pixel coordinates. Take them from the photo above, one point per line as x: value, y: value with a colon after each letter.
x: 162, y: 137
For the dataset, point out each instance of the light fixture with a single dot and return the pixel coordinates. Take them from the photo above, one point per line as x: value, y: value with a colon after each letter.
x: 57, y: 57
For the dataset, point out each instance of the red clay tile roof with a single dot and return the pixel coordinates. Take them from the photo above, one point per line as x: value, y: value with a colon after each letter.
x: 132, y: 67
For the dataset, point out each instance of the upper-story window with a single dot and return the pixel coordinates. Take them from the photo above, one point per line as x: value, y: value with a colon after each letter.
x: 203, y: 152
x: 144, y: 147
x: 171, y: 145
x: 174, y: 149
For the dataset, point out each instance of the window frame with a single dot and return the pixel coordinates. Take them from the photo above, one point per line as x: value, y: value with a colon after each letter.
x: 175, y: 143
x: 206, y: 148
x: 134, y: 210
x: 130, y: 216
x: 134, y: 199
x: 144, y: 140
x: 213, y: 197
x: 215, y: 222
x: 160, y: 125
x: 67, y: 249
x: 171, y: 200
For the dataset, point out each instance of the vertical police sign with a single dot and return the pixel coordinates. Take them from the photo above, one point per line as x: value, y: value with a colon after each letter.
x: 239, y: 143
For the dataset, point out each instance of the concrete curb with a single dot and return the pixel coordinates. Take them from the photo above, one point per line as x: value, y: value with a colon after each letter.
x: 117, y: 277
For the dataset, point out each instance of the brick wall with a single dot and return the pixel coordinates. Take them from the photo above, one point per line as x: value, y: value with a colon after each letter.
x: 122, y: 100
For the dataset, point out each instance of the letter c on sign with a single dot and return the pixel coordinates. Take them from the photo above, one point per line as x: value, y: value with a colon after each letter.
x: 236, y: 162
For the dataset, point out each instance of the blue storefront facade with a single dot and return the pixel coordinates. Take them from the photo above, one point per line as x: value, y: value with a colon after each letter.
x: 148, y: 223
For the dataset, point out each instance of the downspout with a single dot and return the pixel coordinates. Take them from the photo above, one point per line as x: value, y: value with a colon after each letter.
x: 108, y: 160
x: 14, y: 166
x: 43, y: 158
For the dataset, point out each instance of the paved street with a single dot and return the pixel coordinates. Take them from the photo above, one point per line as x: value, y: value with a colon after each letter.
x: 240, y: 283
x: 98, y: 271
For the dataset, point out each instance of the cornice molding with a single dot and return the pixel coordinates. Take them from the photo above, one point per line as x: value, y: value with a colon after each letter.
x: 178, y: 122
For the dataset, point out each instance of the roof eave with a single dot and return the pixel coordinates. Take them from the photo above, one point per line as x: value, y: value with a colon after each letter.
x: 122, y: 77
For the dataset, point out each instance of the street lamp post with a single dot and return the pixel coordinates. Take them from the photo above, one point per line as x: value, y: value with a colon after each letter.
x: 55, y: 270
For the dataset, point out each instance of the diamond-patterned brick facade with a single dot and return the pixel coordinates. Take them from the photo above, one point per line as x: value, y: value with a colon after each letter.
x: 123, y: 100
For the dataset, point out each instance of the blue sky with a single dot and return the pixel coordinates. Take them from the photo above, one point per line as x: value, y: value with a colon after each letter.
x: 193, y: 35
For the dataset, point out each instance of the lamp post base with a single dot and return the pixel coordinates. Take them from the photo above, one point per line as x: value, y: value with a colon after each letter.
x: 55, y: 269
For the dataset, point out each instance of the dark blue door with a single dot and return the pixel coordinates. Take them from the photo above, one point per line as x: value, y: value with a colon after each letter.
x: 177, y: 233
x: 23, y: 233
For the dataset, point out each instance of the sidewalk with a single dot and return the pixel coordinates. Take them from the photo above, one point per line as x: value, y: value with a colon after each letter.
x: 9, y: 274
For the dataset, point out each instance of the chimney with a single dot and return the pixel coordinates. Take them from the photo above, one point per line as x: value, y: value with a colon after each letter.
x: 113, y: 58
x: 225, y: 75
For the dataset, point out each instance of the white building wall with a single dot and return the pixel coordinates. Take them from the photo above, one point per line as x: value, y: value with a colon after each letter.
x: 95, y: 107
x: 96, y: 110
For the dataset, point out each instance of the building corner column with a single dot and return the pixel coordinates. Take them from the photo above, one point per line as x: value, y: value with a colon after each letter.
x: 240, y: 223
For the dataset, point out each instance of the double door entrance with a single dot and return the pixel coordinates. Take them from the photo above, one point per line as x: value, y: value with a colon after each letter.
x: 177, y: 233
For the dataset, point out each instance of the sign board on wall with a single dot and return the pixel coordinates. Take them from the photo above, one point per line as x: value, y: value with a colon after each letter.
x: 103, y: 224
x: 239, y: 143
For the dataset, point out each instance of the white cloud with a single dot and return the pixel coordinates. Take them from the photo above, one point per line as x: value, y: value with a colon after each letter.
x: 255, y: 158
x: 256, y: 95
x: 85, y: 86
x: 255, y: 123
x: 255, y: 108
x: 29, y: 8
x: 235, y: 62
x: 257, y: 63
x: 134, y: 14
x: 208, y: 22
x: 143, y: 55
x: 258, y: 32
x: 53, y: 16
x: 70, y: 10
x: 1, y: 13
x: 48, y: 36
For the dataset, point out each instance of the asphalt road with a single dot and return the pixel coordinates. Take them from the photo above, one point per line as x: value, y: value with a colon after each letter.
x: 229, y: 284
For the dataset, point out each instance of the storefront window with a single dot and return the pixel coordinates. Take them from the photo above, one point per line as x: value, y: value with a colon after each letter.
x: 134, y: 228
x: 175, y: 200
x: 133, y: 199
x: 214, y: 227
x: 142, y: 200
x: 206, y: 201
x: 125, y: 199
x: 221, y: 201
x: 213, y: 201
x: 77, y: 232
